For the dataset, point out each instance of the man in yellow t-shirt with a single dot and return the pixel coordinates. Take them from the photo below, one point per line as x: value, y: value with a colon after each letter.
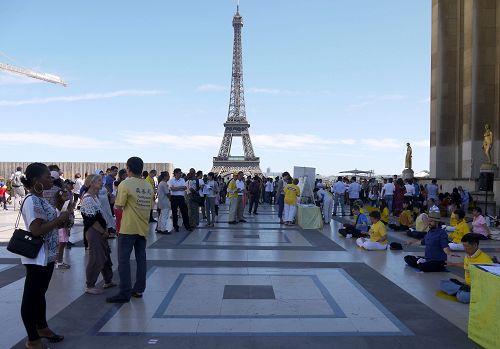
x: 405, y: 219
x: 474, y: 255
x: 378, y: 235
x: 292, y: 192
x: 135, y: 197
x: 461, y: 229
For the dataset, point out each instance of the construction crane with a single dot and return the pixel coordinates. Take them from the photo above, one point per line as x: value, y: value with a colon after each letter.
x: 32, y: 74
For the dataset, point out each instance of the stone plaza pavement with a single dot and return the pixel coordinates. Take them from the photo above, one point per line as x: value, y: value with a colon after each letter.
x: 253, y: 285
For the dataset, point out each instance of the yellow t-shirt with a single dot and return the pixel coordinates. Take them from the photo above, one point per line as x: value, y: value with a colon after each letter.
x: 377, y: 232
x: 422, y: 222
x: 405, y: 218
x: 292, y: 192
x: 150, y: 181
x: 384, y: 215
x: 477, y: 258
x: 453, y: 220
x: 461, y: 229
x: 232, y: 189
x: 136, y: 197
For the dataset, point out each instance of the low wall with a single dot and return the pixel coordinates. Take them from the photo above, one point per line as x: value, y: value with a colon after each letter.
x: 70, y: 168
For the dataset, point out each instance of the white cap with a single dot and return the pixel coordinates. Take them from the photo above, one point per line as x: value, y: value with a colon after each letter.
x: 54, y: 175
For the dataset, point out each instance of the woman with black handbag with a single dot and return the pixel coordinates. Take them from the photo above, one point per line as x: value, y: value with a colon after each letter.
x: 40, y: 219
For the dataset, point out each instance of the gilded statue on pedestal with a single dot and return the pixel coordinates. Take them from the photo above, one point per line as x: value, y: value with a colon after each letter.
x: 487, y: 143
x: 408, y: 156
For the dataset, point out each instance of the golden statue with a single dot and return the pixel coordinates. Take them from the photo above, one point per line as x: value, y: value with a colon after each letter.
x: 408, y: 156
x: 487, y: 143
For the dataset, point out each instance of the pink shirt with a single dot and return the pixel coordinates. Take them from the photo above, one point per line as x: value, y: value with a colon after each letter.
x: 478, y: 225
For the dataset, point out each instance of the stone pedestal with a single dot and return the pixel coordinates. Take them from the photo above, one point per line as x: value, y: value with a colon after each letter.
x: 408, y: 174
x: 489, y: 167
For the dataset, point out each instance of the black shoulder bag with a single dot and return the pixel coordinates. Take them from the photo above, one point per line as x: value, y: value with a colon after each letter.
x: 23, y: 242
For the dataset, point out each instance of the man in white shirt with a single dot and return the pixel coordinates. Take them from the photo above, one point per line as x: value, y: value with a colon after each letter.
x: 409, y: 190
x: 240, y: 185
x: 178, y: 191
x: 353, y: 190
x: 268, y: 190
x: 338, y: 191
x: 388, y: 194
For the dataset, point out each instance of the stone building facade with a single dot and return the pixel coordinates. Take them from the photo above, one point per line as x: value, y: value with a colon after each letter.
x: 465, y: 86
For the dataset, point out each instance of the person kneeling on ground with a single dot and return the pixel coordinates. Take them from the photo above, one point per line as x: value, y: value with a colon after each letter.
x: 436, y: 248
x: 378, y: 235
x: 474, y: 255
x: 359, y: 228
x: 405, y: 219
x: 461, y: 229
x: 421, y: 226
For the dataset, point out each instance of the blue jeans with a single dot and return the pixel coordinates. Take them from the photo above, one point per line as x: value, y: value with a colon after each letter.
x: 339, y: 198
x: 125, y: 245
x: 281, y: 205
x: 388, y: 200
x: 453, y: 289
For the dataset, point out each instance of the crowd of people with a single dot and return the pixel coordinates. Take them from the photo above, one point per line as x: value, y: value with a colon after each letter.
x: 120, y: 203
x: 421, y: 212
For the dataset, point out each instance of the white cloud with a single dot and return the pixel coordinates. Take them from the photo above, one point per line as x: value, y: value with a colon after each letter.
x: 392, y: 143
x: 82, y: 97
x: 392, y: 98
x: 297, y: 141
x: 73, y: 141
x: 263, y: 141
x: 211, y: 88
x: 153, y: 139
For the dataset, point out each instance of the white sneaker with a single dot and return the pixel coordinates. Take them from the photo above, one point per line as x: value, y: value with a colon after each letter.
x: 93, y: 290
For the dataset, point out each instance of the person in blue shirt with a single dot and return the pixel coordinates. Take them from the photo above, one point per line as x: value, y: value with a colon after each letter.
x: 436, y: 248
x: 359, y: 228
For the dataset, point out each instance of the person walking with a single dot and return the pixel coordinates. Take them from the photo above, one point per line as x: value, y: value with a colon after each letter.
x: 135, y: 196
x: 18, y: 193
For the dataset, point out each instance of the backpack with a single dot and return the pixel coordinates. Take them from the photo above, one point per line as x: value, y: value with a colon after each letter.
x: 16, y: 181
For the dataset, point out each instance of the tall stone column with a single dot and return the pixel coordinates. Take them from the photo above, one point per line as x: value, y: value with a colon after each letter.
x: 465, y: 82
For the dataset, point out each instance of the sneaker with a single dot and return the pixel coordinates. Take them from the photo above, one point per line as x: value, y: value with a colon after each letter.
x: 137, y: 294
x: 93, y: 290
x: 62, y: 266
x: 243, y: 221
x: 109, y: 285
x: 117, y: 299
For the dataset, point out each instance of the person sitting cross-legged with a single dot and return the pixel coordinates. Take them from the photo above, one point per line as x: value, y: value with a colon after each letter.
x: 359, y: 228
x: 436, y: 248
x: 378, y: 235
x: 405, y: 219
x: 474, y: 255
x: 461, y: 229
x: 421, y: 225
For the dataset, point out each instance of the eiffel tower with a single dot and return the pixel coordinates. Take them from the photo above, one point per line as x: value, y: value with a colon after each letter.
x: 236, y: 124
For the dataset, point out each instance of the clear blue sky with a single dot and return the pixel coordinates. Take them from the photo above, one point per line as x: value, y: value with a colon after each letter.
x: 330, y: 84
